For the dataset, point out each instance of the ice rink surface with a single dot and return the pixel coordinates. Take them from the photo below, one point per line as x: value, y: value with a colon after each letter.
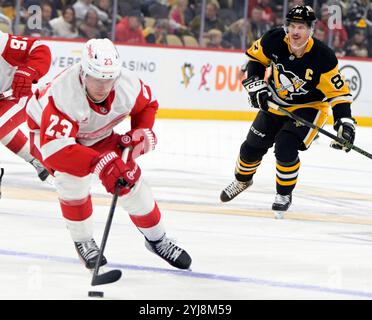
x: 321, y: 250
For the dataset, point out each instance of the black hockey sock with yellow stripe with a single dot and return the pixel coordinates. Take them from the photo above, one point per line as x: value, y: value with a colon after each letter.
x: 244, y: 170
x: 286, y: 176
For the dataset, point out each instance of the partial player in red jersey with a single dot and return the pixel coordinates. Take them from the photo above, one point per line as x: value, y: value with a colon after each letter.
x: 23, y: 62
x: 72, y: 123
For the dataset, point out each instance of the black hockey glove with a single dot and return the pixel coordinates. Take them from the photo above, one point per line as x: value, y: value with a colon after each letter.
x: 258, y: 92
x: 346, y: 130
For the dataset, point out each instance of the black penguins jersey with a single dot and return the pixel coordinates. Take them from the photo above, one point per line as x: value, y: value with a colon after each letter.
x: 312, y: 80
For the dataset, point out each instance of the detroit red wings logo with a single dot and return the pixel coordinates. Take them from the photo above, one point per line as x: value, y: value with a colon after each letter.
x: 131, y: 174
x: 126, y: 139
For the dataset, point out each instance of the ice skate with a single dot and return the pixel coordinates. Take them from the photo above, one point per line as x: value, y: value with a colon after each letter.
x: 88, y: 252
x: 281, y: 205
x: 170, y: 252
x: 233, y: 189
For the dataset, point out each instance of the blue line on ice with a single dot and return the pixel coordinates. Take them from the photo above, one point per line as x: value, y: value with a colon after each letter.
x: 198, y: 275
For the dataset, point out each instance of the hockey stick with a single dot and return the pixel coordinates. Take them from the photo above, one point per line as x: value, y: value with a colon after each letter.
x: 6, y: 94
x: 1, y: 178
x: 341, y: 141
x: 112, y: 275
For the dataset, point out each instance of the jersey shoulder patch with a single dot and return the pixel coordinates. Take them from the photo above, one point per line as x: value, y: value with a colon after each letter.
x: 271, y: 38
x: 262, y: 49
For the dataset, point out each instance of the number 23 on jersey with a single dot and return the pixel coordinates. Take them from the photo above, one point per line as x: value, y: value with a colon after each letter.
x: 58, y: 128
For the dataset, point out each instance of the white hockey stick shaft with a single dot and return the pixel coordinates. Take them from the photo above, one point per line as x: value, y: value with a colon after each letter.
x: 6, y: 94
x: 125, y: 154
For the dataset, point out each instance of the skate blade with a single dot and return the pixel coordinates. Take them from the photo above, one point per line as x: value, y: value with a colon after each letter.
x: 279, y: 215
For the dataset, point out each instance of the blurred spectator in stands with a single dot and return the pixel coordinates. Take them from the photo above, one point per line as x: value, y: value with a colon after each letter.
x: 214, y: 39
x: 322, y: 23
x: 177, y: 17
x: 320, y: 34
x: 65, y: 25
x: 193, y: 9
x: 233, y: 36
x: 294, y: 3
x: 8, y: 9
x: 91, y: 28
x: 6, y: 23
x: 357, y: 9
x: 338, y: 48
x: 126, y: 6
x: 226, y: 4
x: 238, y: 7
x: 55, y: 4
x: 155, y: 8
x: 106, y: 7
x: 45, y: 29
x: 211, y: 19
x: 267, y: 14
x: 255, y: 28
x: 278, y: 19
x: 82, y: 6
x: 337, y: 29
x: 257, y: 25
x: 129, y: 29
x: 356, y: 46
x: 268, y: 6
x: 278, y: 6
x: 158, y: 33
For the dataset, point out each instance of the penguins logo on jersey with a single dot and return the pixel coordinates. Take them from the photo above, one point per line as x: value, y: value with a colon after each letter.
x: 287, y: 84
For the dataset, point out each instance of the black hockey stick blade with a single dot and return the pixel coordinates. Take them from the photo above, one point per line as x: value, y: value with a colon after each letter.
x: 112, y: 275
x: 107, y: 277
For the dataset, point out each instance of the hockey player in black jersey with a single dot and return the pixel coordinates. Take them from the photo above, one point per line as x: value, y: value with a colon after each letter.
x: 304, y: 80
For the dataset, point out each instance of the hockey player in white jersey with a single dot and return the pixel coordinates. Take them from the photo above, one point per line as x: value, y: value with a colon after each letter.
x: 72, y: 123
x: 23, y: 62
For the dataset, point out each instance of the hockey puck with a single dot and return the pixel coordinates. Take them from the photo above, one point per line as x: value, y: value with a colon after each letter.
x: 95, y: 294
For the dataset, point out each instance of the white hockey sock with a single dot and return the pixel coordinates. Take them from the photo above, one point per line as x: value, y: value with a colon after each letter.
x: 80, y: 230
x: 154, y: 233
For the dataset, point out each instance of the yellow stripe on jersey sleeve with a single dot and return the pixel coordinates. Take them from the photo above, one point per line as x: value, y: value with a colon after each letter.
x: 333, y: 84
x: 255, y: 52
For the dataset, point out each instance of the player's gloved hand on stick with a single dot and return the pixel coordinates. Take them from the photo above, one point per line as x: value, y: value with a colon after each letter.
x: 139, y: 140
x: 258, y: 92
x: 346, y: 130
x: 22, y: 82
x: 110, y: 167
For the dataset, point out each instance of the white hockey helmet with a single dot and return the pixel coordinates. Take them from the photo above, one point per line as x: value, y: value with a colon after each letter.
x: 100, y: 59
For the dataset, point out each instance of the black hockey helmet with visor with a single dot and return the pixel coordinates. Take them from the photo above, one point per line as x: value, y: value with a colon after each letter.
x: 304, y: 14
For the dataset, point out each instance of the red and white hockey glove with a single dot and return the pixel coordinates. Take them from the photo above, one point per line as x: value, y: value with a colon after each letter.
x: 110, y: 168
x: 140, y: 140
x: 22, y: 82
